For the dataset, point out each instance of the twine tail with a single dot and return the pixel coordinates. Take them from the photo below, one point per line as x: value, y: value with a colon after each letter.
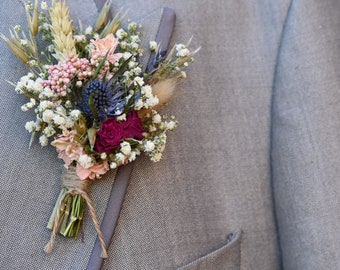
x: 48, y: 248
x: 96, y: 223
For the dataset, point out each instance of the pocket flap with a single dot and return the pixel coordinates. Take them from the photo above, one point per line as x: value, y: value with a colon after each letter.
x: 225, y: 257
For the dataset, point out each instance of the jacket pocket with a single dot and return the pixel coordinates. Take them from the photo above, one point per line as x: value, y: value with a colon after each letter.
x: 226, y: 257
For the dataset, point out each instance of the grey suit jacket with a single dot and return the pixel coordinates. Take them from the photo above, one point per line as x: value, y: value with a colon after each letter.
x: 249, y: 179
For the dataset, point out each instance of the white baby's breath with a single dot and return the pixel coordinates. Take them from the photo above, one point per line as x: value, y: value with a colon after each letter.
x: 47, y: 116
x: 153, y: 45
x: 59, y: 120
x: 68, y: 104
x: 44, y: 5
x: 85, y: 161
x: 43, y: 140
x: 79, y: 84
x: 149, y: 146
x: 151, y: 102
x: 120, y: 158
x: 45, y: 104
x: 170, y: 125
x: 139, y: 104
x: 61, y: 110
x: 46, y: 93
x: 125, y: 148
x: 156, y: 118
x: 183, y: 52
x: 137, y: 70
x: 49, y: 131
x: 121, y: 33
x: 132, y: 26
x: 69, y: 123
x: 132, y: 156
x: 113, y: 165
x: 30, y: 126
x: 75, y: 114
x: 139, y: 81
x: 147, y: 90
x: 126, y: 55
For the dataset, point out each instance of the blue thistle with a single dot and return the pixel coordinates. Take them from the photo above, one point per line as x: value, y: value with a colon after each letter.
x: 100, y: 101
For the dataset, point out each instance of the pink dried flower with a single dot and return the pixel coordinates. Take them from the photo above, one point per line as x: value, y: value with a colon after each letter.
x: 68, y: 148
x: 92, y: 172
x: 62, y: 73
x: 104, y: 45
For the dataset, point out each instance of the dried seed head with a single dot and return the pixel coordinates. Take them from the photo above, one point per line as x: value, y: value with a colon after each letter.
x: 18, y: 52
x: 102, y: 16
x: 61, y: 27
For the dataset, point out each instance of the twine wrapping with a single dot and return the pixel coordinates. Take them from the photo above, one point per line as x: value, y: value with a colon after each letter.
x: 75, y: 186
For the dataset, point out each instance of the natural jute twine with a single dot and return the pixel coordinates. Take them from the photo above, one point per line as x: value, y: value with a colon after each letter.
x: 75, y: 186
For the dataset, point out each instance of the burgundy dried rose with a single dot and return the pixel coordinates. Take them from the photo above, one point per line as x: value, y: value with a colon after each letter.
x: 133, y: 127
x: 112, y: 132
x: 109, y: 136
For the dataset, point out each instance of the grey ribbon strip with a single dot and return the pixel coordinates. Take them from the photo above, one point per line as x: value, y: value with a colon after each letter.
x: 163, y: 37
x: 111, y: 214
x: 122, y: 179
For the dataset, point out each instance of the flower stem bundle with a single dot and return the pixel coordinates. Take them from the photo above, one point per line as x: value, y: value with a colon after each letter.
x: 71, y: 214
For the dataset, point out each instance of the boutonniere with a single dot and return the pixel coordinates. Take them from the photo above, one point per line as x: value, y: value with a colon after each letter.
x: 92, y: 99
